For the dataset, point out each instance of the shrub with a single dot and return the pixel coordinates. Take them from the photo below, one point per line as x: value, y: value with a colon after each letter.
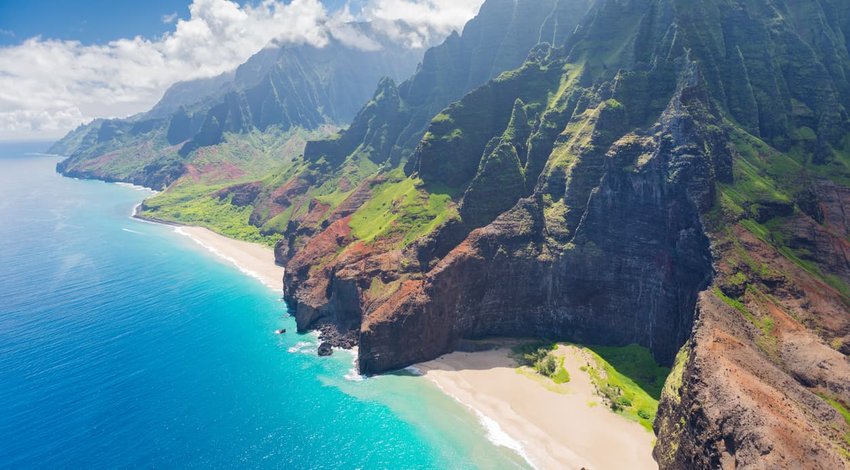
x: 547, y: 365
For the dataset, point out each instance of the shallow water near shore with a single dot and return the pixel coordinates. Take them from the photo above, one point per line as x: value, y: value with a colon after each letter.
x: 124, y: 344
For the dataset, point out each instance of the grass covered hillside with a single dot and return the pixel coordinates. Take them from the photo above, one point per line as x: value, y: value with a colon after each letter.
x: 221, y: 182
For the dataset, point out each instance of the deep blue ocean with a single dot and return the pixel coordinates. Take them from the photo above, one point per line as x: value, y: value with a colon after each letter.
x: 124, y: 344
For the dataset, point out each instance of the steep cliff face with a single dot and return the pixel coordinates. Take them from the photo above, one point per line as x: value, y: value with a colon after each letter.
x: 674, y: 174
x: 635, y: 244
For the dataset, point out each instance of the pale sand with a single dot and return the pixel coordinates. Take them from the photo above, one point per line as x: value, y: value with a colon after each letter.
x: 252, y: 259
x: 552, y: 426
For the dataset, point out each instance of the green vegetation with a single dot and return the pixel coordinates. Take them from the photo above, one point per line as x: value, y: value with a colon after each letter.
x: 772, y: 232
x: 205, y: 211
x: 734, y: 303
x: 673, y: 385
x: 837, y: 166
x: 627, y: 377
x: 401, y: 210
x: 762, y: 201
x: 841, y: 408
x: 636, y: 363
x: 542, y: 358
x: 630, y: 381
x: 266, y: 158
x: 252, y: 155
x: 561, y: 375
x: 767, y: 341
x: 762, y: 174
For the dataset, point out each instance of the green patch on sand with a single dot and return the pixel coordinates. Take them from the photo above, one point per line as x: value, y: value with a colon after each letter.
x: 629, y: 380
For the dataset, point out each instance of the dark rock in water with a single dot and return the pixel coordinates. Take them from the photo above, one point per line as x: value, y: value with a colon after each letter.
x: 331, y: 334
x: 325, y: 349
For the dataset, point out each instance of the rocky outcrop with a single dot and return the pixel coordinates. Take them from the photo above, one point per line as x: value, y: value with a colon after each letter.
x: 732, y: 406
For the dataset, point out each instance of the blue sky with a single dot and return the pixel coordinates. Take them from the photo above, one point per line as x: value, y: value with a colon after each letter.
x: 66, y: 62
x: 92, y: 21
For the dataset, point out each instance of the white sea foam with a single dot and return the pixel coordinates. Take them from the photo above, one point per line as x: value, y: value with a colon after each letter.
x: 301, y: 346
x: 132, y: 231
x: 40, y: 154
x: 495, y: 433
x: 137, y: 187
x: 498, y: 436
x: 414, y: 370
x: 144, y: 221
x: 352, y: 375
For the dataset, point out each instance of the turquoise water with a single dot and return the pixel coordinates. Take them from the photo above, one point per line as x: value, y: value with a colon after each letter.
x: 124, y: 344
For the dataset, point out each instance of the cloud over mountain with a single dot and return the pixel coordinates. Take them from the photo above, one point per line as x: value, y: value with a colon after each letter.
x: 49, y: 86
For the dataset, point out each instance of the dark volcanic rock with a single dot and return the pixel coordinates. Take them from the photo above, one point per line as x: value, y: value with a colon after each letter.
x: 325, y: 349
x: 330, y: 334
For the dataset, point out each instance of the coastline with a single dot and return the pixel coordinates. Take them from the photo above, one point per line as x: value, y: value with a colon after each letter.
x: 252, y: 259
x: 551, y: 426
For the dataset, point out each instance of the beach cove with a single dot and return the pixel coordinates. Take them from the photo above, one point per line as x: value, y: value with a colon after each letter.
x: 549, y: 427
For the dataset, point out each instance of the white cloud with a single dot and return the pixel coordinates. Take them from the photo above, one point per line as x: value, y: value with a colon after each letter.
x: 426, y: 17
x: 168, y: 19
x: 48, y: 87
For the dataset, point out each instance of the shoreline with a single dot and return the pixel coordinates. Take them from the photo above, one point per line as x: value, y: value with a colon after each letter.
x: 252, y: 259
x: 551, y: 426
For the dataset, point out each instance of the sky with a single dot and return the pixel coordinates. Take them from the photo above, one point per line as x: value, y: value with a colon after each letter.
x: 66, y: 62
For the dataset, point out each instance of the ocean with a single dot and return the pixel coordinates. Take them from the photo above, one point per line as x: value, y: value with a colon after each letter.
x: 124, y: 344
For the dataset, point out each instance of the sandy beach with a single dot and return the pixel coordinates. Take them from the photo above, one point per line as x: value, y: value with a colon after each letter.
x: 252, y: 259
x: 551, y: 426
